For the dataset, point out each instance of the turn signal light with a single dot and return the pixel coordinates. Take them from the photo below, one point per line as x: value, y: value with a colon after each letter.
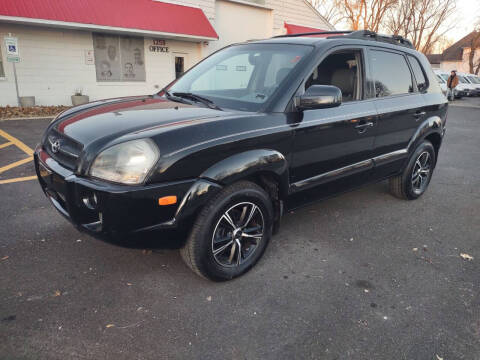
x: 167, y: 200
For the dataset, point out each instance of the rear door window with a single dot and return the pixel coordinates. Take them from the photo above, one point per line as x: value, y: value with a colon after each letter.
x: 419, y: 73
x: 391, y: 73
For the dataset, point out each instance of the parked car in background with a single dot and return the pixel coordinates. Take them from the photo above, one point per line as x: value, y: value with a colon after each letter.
x: 458, y: 92
x: 443, y: 84
x: 252, y: 131
x: 475, y: 81
x: 465, y: 85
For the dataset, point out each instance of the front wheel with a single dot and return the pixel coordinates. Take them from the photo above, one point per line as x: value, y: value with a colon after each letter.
x: 231, y: 232
x: 416, y: 176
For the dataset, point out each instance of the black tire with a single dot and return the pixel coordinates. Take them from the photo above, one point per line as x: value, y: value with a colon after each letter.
x: 411, y: 184
x: 211, y: 226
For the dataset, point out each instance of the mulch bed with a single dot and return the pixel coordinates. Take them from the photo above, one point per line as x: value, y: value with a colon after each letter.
x: 34, y: 111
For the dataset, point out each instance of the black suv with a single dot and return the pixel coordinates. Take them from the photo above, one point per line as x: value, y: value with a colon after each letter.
x: 253, y: 130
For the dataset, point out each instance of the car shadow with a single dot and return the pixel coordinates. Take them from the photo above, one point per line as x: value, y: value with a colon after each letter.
x: 165, y: 240
x: 175, y: 239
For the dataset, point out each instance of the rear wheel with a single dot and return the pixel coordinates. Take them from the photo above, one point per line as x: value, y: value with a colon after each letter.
x: 414, y: 180
x: 231, y: 232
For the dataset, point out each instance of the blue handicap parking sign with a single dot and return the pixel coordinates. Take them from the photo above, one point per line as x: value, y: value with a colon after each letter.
x: 12, y: 48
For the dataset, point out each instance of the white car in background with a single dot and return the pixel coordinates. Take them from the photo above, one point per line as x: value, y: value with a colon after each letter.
x: 465, y: 85
x: 458, y: 91
x: 474, y: 80
x: 443, y: 84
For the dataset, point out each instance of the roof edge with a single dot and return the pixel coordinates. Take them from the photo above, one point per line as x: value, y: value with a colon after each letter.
x: 104, y: 28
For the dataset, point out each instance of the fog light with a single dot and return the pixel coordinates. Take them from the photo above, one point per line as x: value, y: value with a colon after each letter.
x: 90, y: 201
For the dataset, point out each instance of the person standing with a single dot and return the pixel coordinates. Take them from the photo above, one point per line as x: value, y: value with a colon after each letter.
x: 452, y: 82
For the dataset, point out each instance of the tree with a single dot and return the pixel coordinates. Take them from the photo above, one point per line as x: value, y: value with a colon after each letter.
x: 366, y: 14
x: 329, y: 9
x: 474, y: 46
x: 424, y: 22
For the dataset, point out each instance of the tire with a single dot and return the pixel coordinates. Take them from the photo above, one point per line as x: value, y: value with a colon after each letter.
x: 250, y: 211
x: 415, y: 178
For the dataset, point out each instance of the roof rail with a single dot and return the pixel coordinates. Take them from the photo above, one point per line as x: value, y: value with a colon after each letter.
x: 392, y: 39
x: 339, y: 32
x: 359, y: 34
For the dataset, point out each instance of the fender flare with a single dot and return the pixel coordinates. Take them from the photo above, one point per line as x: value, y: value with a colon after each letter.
x: 429, y: 126
x: 228, y: 171
x: 250, y: 163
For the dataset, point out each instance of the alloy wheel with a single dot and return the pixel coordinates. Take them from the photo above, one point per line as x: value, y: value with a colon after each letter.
x: 238, y: 234
x: 421, y: 172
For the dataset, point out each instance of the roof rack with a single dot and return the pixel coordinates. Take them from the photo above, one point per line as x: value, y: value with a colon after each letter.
x: 339, y: 32
x: 360, y: 34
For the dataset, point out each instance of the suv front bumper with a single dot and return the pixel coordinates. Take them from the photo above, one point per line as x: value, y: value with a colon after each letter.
x: 103, y: 208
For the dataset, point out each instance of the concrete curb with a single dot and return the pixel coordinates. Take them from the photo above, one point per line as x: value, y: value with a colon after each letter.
x: 464, y: 105
x: 29, y: 118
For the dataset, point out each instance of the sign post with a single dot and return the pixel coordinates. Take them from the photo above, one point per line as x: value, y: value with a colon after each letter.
x: 11, y: 43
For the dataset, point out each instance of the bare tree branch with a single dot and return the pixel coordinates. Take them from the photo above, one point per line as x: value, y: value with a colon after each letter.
x: 329, y: 10
x: 424, y: 22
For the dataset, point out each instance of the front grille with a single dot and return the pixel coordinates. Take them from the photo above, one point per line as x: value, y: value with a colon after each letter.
x: 63, y: 149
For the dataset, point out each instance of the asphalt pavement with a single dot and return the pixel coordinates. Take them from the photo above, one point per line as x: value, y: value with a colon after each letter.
x: 360, y: 276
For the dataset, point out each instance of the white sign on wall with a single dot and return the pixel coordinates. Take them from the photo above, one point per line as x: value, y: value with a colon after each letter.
x: 89, y: 57
x: 11, y: 45
x: 159, y: 46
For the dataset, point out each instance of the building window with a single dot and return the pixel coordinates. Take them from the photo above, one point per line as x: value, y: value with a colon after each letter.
x: 119, y: 58
x: 2, y: 72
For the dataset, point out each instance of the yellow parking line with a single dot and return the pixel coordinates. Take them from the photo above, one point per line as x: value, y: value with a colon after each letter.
x: 16, y: 163
x: 17, y: 143
x: 5, y: 144
x: 7, y: 181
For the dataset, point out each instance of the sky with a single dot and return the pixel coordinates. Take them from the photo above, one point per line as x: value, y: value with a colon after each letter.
x: 468, y: 13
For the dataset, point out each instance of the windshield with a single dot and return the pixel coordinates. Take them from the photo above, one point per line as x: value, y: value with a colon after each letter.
x: 241, y: 77
x: 440, y: 79
x: 462, y: 80
x: 444, y: 76
x: 474, y: 80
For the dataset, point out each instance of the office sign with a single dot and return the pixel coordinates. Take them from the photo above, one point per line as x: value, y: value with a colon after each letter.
x: 159, y: 46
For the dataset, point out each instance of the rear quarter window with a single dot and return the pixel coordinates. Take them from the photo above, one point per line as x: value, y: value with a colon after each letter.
x: 419, y: 73
x: 391, y: 73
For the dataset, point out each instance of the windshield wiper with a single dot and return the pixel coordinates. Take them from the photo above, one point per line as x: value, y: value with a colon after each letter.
x: 166, y: 93
x: 198, y: 98
x: 171, y: 97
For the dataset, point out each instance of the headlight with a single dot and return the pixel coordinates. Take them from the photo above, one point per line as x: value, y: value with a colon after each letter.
x: 126, y: 163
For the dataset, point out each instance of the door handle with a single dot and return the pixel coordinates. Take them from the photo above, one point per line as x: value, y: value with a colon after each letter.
x: 419, y: 114
x: 364, y: 125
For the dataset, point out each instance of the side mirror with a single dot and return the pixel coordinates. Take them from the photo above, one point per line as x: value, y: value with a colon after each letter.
x: 319, y: 97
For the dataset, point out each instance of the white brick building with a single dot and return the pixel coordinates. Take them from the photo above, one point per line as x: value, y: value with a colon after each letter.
x: 60, y: 52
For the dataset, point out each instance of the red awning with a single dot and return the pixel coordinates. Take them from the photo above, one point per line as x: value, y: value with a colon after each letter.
x: 140, y: 16
x: 297, y: 29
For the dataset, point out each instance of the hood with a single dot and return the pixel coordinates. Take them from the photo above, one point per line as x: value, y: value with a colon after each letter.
x: 116, y: 117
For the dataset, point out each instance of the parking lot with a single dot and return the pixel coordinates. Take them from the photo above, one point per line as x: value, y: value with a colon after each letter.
x: 360, y: 276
